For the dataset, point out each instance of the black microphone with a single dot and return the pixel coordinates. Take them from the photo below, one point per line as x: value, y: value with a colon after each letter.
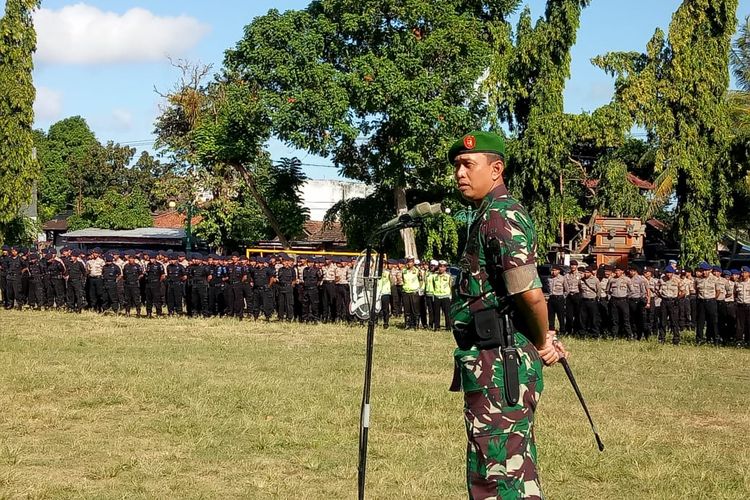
x: 421, y: 210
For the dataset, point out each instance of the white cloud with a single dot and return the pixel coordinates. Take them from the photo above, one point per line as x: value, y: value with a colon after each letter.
x: 122, y: 119
x: 82, y: 34
x: 48, y: 104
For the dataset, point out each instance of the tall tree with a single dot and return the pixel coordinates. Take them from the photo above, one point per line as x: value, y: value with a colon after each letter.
x: 283, y: 192
x: 217, y: 128
x: 739, y: 56
x: 113, y: 210
x: 67, y: 144
x: 18, y: 169
x: 381, y: 87
x: 525, y: 86
x: 676, y: 90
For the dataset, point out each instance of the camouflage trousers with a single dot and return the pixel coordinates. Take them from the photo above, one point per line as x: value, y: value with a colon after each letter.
x: 501, y: 452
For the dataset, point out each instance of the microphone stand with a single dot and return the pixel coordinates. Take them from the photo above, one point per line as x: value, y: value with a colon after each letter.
x: 380, y: 236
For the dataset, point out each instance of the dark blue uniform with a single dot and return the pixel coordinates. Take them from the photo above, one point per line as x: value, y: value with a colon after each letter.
x: 111, y: 298
x: 216, y: 302
x: 311, y: 279
x: 56, y: 277
x: 153, y: 277
x: 236, y: 276
x: 262, y: 293
x: 36, y: 283
x: 175, y: 277
x: 16, y: 270
x: 131, y: 275
x: 76, y: 285
x: 197, y: 275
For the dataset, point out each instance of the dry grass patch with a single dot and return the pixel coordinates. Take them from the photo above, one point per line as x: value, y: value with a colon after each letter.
x: 109, y: 407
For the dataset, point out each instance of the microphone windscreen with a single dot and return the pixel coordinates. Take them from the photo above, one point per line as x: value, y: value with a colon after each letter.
x: 422, y: 209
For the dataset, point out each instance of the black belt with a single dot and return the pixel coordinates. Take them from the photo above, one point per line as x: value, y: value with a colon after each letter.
x: 589, y: 300
x: 619, y: 298
x: 492, y: 330
x: 557, y: 296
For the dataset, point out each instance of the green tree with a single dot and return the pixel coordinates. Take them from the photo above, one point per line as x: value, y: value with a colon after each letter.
x: 525, y: 87
x: 18, y: 169
x: 113, y: 210
x: 68, y: 143
x: 381, y: 87
x: 218, y: 129
x: 739, y: 56
x: 676, y: 90
x: 283, y: 192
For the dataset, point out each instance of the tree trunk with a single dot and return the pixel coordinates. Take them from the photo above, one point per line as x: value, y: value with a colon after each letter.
x: 263, y: 205
x: 410, y: 244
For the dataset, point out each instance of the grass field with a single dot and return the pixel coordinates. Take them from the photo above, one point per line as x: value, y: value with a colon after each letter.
x: 95, y: 407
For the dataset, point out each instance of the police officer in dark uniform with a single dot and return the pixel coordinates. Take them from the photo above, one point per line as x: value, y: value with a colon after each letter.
x: 36, y: 282
x: 76, y: 271
x: 216, y: 305
x: 23, y: 253
x: 4, y: 261
x: 262, y: 293
x: 312, y: 278
x: 46, y: 282
x: 154, y: 274
x: 56, y: 276
x: 176, y: 275
x: 16, y: 270
x: 236, y: 276
x: 247, y: 285
x: 132, y: 273
x: 111, y: 274
x: 286, y: 276
x: 199, y: 276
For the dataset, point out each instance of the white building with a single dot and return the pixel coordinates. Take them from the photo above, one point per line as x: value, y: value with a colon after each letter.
x: 320, y: 195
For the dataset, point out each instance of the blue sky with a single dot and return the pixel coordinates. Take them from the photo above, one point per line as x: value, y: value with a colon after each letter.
x: 109, y: 76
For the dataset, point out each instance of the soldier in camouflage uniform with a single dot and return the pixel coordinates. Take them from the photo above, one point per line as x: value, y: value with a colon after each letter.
x: 498, y: 273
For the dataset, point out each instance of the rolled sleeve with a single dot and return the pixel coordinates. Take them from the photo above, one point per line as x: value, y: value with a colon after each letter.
x: 511, y: 247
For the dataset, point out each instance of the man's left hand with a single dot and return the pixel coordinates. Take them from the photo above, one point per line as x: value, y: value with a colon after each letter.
x: 549, y: 352
x: 553, y: 350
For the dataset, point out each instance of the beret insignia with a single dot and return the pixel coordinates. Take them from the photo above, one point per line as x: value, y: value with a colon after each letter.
x: 470, y: 142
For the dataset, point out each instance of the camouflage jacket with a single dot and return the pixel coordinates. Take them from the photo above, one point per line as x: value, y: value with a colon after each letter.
x: 499, y: 259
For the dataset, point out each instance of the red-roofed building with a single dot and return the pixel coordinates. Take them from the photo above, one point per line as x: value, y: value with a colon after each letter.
x: 318, y: 236
x: 173, y: 219
x: 318, y: 231
x: 632, y: 178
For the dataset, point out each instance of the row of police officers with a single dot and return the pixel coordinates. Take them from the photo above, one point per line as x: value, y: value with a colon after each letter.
x: 631, y: 304
x: 310, y: 290
x: 191, y: 284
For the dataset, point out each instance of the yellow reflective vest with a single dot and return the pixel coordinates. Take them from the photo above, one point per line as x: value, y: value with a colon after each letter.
x: 411, y: 280
x: 442, y: 285
x: 384, y: 285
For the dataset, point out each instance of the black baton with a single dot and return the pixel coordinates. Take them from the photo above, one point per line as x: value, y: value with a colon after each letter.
x: 572, y: 379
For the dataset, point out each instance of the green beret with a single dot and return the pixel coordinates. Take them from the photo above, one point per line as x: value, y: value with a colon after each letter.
x: 477, y: 142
